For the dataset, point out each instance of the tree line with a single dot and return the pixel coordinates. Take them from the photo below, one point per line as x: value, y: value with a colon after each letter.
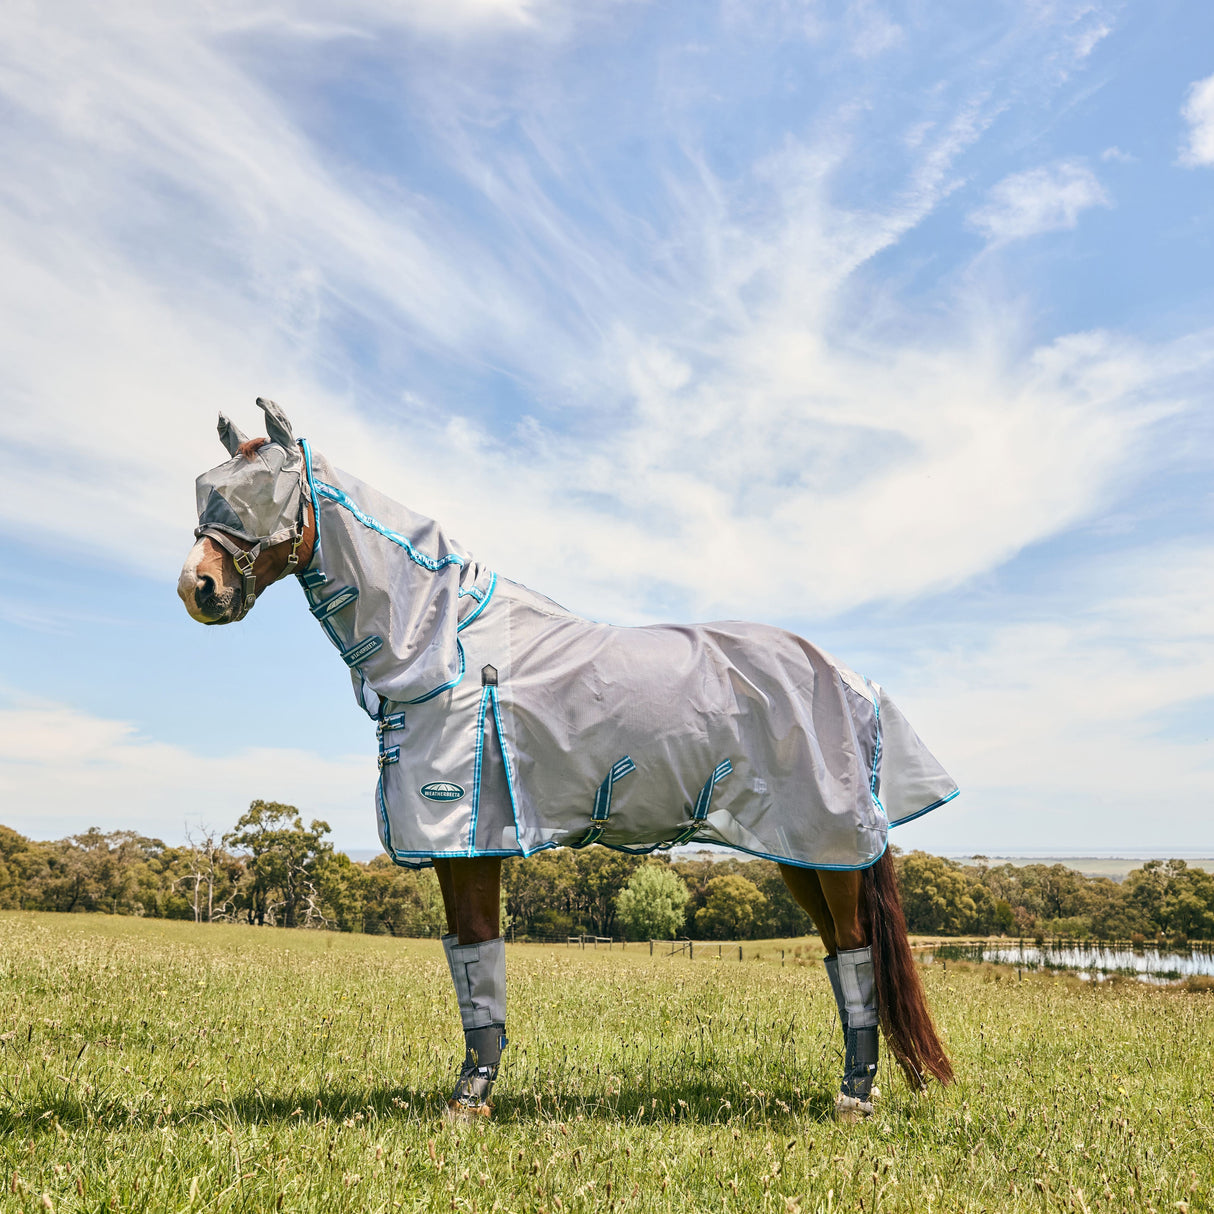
x: 272, y: 869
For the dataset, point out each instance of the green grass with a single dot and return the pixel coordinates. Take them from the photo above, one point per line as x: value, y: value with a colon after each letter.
x: 162, y: 1066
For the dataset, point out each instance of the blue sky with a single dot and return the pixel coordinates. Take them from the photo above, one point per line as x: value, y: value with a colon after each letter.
x: 889, y: 323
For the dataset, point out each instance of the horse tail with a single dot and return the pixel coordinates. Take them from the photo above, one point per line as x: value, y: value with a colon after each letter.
x: 901, y: 999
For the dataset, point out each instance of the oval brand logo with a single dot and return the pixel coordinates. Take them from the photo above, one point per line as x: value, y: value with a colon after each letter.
x: 442, y: 792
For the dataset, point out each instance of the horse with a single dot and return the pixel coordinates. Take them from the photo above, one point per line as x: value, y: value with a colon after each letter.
x: 735, y: 734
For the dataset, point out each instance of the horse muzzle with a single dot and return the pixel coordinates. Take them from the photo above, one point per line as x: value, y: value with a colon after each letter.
x: 206, y: 601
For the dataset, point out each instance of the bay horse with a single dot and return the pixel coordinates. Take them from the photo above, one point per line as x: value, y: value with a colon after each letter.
x: 640, y: 739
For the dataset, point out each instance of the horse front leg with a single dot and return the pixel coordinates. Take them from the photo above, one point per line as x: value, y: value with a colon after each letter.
x: 835, y: 902
x: 471, y: 890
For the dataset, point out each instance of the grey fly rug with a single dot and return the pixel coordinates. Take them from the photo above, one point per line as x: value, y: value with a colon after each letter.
x: 507, y: 724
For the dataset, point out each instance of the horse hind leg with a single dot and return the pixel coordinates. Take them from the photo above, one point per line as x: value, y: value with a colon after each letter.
x: 834, y: 901
x: 857, y: 993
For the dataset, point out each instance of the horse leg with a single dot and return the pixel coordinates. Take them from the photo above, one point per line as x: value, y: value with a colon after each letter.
x: 834, y: 900
x: 442, y: 870
x: 476, y: 955
x: 844, y: 894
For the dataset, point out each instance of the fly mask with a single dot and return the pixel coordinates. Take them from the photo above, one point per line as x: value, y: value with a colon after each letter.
x: 258, y: 499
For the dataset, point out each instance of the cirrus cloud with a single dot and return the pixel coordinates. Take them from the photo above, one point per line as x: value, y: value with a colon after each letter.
x: 1046, y: 199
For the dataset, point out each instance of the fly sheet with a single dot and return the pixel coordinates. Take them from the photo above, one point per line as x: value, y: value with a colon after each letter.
x: 507, y: 724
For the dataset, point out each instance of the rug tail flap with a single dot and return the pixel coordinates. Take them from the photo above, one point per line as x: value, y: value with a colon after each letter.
x: 912, y: 781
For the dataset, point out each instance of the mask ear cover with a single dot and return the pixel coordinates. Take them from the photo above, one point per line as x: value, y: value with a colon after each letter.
x: 230, y: 435
x: 277, y: 425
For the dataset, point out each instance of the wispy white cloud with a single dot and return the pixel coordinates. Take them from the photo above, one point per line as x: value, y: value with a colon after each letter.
x: 752, y: 413
x: 1198, y: 113
x: 1046, y: 199
x: 1063, y: 728
x: 62, y: 771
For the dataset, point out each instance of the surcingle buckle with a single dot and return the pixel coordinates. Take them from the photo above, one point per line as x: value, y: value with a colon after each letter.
x: 394, y: 720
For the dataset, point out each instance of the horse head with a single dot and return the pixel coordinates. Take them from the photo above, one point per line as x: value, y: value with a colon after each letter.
x: 255, y: 521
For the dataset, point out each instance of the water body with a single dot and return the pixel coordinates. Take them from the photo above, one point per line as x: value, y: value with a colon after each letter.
x: 1090, y: 962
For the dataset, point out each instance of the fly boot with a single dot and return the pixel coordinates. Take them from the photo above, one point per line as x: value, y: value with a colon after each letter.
x: 832, y: 972
x: 858, y: 1011
x: 479, y: 974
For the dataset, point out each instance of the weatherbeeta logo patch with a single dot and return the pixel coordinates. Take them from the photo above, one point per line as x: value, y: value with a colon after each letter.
x: 442, y: 792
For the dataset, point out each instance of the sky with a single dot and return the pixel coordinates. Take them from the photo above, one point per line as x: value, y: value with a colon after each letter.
x: 889, y: 323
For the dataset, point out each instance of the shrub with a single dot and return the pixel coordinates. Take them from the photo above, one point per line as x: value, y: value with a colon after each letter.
x: 653, y: 905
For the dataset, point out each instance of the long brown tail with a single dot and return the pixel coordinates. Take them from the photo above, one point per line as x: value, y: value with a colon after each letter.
x: 901, y: 1000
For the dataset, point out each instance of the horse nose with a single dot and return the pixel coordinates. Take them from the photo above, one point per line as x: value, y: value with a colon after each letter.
x: 204, y: 591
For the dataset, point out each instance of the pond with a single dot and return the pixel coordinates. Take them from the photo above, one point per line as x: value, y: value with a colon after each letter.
x: 1088, y: 961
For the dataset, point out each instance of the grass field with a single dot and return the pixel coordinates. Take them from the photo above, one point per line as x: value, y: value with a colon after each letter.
x: 163, y: 1066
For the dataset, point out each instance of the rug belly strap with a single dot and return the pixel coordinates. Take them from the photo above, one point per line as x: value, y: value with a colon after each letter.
x: 602, y: 801
x: 703, y: 805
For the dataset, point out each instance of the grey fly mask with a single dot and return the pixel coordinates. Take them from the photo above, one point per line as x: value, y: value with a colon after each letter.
x: 259, y: 500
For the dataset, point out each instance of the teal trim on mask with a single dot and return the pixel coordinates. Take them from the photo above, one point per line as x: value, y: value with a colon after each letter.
x: 307, y: 452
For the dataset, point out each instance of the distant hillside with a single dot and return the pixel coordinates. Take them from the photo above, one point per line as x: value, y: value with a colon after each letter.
x: 1115, y: 867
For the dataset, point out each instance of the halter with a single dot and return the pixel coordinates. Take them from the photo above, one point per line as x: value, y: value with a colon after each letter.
x: 245, y: 558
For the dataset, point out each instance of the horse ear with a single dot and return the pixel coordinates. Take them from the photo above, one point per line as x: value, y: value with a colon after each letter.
x: 230, y: 435
x: 277, y: 425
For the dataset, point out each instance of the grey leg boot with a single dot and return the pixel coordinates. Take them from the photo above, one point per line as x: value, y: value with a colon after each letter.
x: 855, y: 1099
x: 479, y: 974
x: 832, y: 972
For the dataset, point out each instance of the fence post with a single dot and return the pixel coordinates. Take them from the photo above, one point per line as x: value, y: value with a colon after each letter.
x: 739, y: 952
x: 718, y: 952
x: 781, y: 958
x: 651, y: 948
x: 691, y: 950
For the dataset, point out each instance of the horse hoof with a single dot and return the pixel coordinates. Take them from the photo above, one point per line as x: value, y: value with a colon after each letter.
x: 849, y: 1109
x: 456, y: 1110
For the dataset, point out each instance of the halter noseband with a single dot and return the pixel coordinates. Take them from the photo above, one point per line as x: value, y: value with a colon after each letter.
x: 245, y: 558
